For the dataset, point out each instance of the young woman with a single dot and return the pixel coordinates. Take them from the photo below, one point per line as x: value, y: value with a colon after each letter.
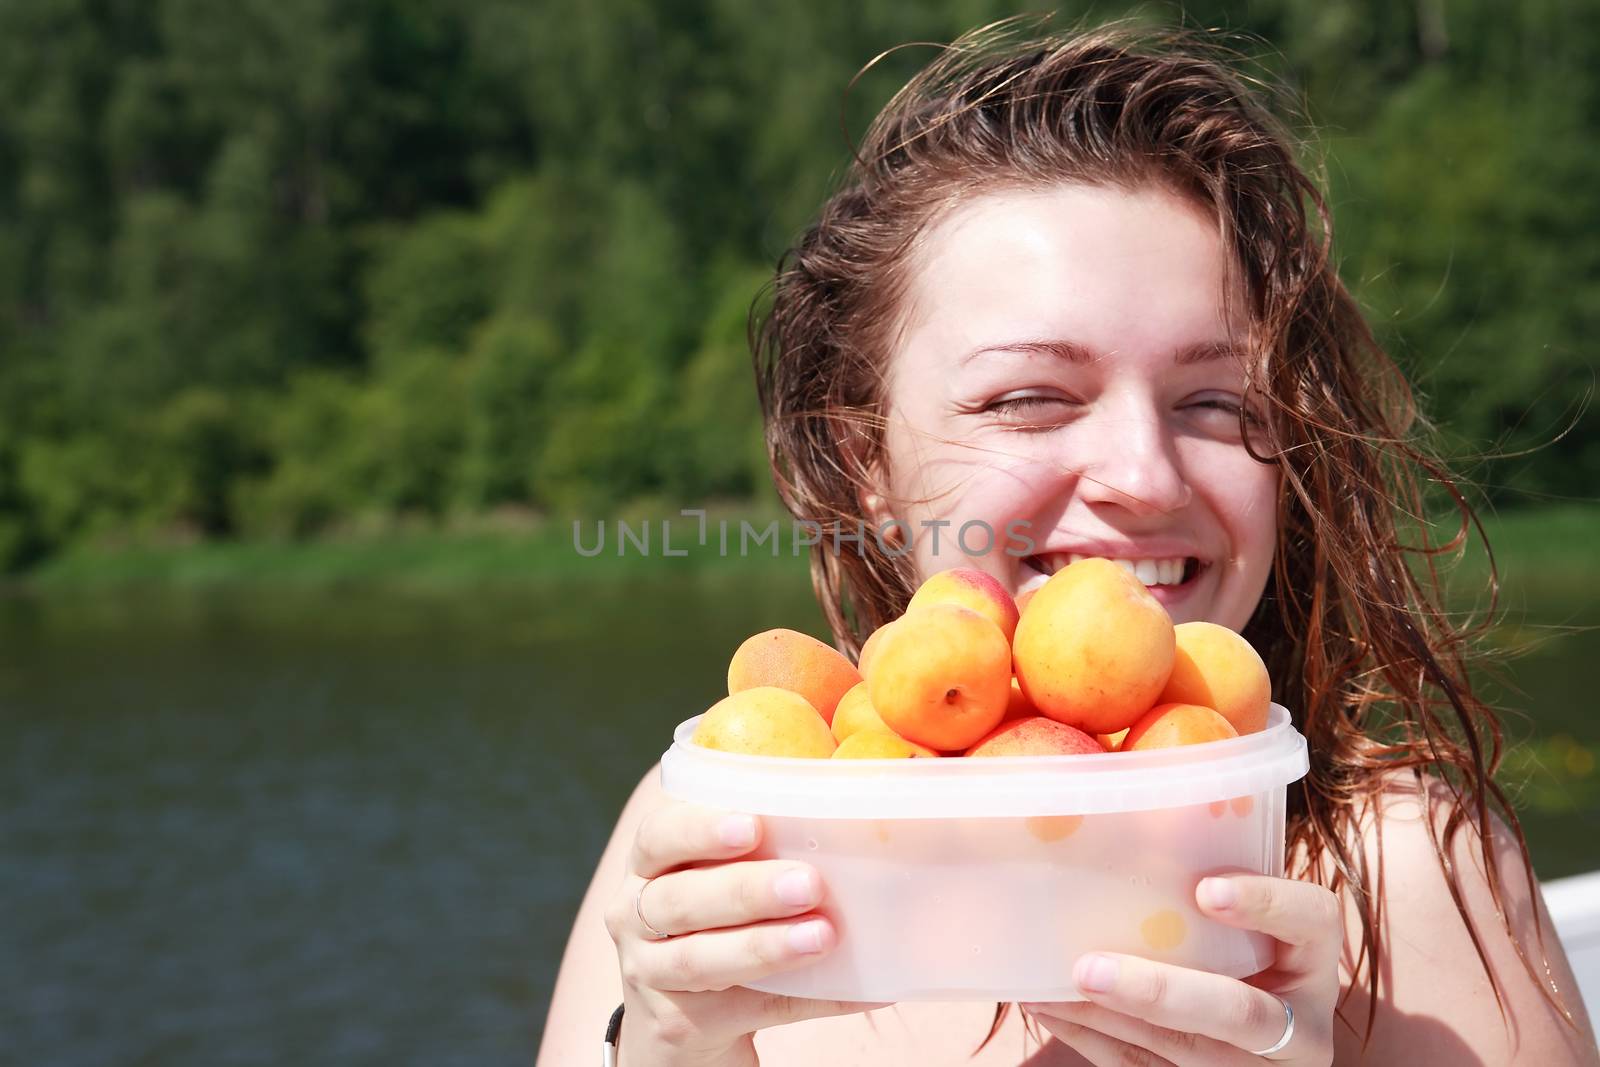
x: 1071, y: 283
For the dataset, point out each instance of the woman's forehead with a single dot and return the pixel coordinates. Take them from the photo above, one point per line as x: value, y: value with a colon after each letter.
x: 1102, y: 267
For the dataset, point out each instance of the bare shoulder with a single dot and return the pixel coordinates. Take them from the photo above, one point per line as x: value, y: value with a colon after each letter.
x: 1442, y: 962
x: 588, y: 986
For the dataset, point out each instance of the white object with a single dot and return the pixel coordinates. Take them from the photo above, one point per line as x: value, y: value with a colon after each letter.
x: 985, y: 878
x: 1574, y: 905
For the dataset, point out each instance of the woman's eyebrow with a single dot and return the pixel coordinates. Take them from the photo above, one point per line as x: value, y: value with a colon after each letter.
x: 1071, y: 351
x: 1074, y: 352
x: 1208, y: 351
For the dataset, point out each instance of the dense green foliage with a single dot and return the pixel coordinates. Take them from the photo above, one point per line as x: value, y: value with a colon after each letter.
x: 275, y: 267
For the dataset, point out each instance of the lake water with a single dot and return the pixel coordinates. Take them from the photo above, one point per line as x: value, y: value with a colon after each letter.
x: 352, y: 828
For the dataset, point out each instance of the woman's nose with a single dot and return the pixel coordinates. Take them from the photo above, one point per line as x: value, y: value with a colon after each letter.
x: 1128, y: 460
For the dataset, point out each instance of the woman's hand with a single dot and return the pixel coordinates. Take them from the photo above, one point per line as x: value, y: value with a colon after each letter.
x: 1173, y: 1015
x: 726, y: 923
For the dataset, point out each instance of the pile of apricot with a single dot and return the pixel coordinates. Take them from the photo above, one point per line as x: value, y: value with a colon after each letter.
x: 1092, y: 663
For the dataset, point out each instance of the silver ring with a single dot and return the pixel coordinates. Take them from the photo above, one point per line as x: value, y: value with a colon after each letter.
x: 638, y: 909
x: 1288, y: 1029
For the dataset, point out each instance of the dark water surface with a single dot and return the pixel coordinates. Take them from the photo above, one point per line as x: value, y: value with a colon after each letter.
x: 353, y: 828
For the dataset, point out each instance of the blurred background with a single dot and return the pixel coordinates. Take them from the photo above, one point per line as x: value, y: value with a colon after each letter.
x: 319, y: 323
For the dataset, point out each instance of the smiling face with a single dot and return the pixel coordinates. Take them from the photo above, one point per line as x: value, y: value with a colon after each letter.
x: 1064, y: 372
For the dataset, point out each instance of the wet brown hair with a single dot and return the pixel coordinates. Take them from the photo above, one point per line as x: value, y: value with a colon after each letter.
x: 1357, y: 640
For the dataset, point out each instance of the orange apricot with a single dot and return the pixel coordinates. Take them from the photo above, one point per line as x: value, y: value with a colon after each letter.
x: 973, y: 589
x: 941, y: 676
x: 1163, y: 930
x: 1037, y: 736
x: 880, y: 744
x: 1168, y: 725
x: 765, y: 721
x: 794, y: 661
x: 1094, y: 647
x: 855, y: 712
x: 1111, y: 742
x: 1022, y: 600
x: 870, y: 645
x: 1018, y: 706
x: 1216, y: 668
x: 1048, y: 828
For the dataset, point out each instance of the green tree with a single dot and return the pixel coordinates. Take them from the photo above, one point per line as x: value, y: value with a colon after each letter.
x: 272, y: 266
x: 713, y: 429
x: 510, y: 401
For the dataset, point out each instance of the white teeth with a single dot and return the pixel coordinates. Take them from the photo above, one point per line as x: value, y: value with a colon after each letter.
x: 1148, y: 571
x: 1032, y: 583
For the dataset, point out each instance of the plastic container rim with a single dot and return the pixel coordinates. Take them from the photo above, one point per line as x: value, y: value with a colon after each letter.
x: 993, y: 786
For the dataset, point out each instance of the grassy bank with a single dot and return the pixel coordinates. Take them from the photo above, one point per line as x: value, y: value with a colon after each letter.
x: 535, y: 553
x: 1544, y: 556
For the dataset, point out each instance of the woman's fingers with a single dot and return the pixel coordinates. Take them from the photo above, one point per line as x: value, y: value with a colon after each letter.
x: 714, y: 960
x: 688, y: 1021
x: 1168, y: 1014
x: 675, y: 834
x: 693, y: 922
x: 1099, y: 1048
x: 775, y: 1009
x: 1305, y: 918
x: 706, y: 898
x: 1179, y: 999
x: 1184, y: 1048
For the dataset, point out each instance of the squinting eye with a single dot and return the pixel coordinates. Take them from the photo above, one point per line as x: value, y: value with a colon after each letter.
x: 1029, y: 402
x: 1025, y: 403
x: 1045, y: 410
x: 1230, y: 407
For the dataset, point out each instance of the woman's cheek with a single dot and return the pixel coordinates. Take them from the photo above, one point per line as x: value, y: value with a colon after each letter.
x: 967, y: 510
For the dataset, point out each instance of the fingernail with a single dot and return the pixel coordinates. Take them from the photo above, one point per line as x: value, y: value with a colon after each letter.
x: 737, y: 831
x: 807, y: 936
x: 1218, y: 893
x: 1095, y: 974
x: 796, y: 888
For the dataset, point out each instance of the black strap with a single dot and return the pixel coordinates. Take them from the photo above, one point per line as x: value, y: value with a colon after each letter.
x: 614, y: 1027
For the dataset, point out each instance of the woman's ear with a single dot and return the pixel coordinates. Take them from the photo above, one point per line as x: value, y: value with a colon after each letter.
x: 871, y: 491
x: 875, y: 508
x: 880, y: 519
x: 854, y: 442
x: 878, y: 509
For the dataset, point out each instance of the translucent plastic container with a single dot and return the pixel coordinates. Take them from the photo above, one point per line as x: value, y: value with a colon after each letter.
x: 985, y: 879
